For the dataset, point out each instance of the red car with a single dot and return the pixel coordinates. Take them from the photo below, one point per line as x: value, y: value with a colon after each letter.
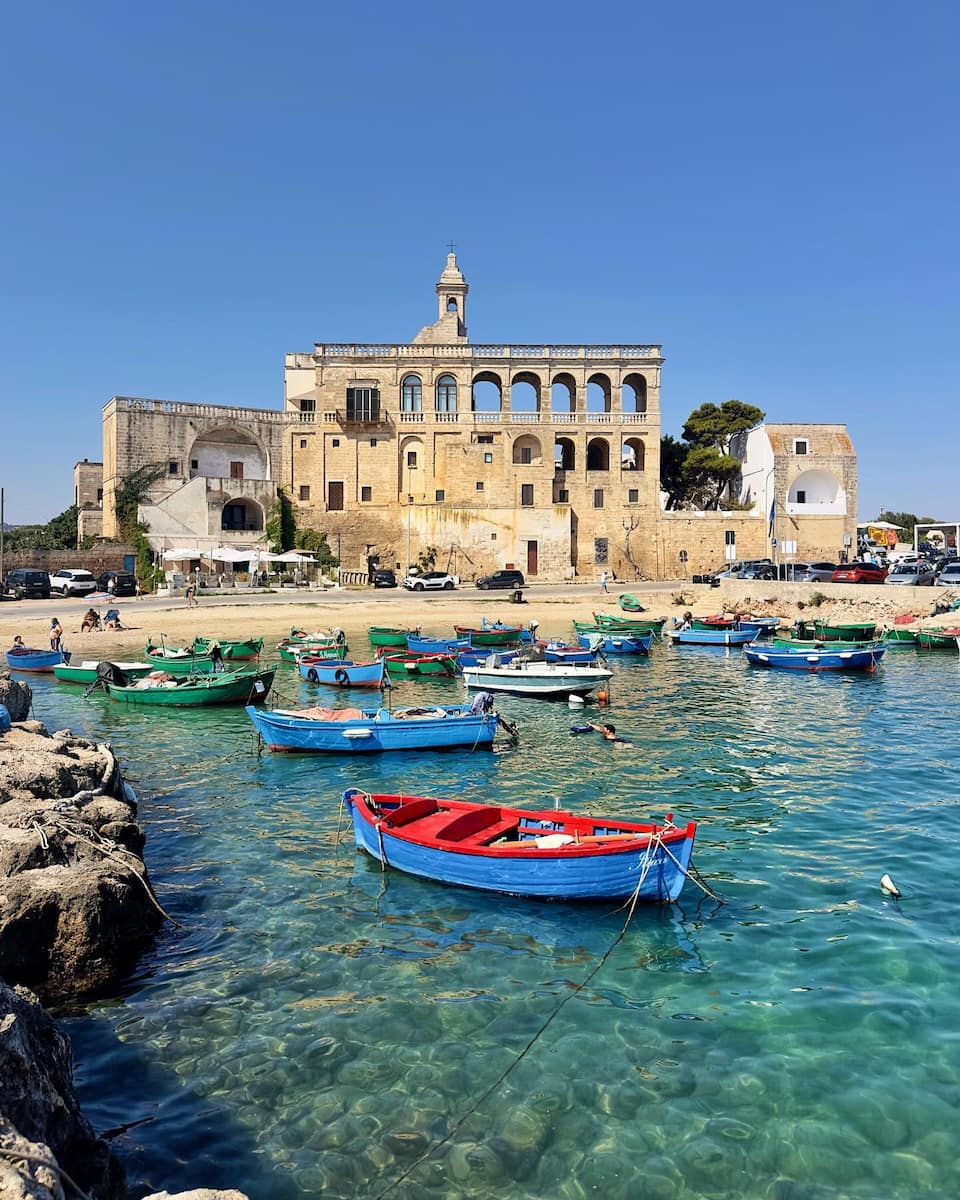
x: 859, y: 572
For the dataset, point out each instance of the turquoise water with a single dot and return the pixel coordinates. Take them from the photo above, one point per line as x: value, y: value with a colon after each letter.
x: 317, y: 1025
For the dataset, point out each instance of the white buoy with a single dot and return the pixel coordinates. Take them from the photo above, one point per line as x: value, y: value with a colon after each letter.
x: 889, y: 886
x: 573, y: 700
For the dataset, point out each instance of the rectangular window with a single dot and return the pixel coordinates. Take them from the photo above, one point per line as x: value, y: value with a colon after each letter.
x: 485, y: 439
x: 438, y: 494
x: 526, y: 495
x: 335, y: 442
x: 488, y: 457
x: 363, y: 404
x: 563, y: 495
x: 308, y: 406
x: 303, y: 443
x: 598, y: 497
x: 236, y: 470
x: 173, y: 468
x: 366, y: 493
x: 799, y: 445
x: 194, y: 464
x: 479, y: 485
x: 600, y: 550
x: 526, y: 454
x: 304, y: 491
x: 801, y: 497
x: 411, y: 460
x: 373, y: 441
x: 633, y: 496
x: 99, y: 495
x: 335, y: 495
x: 730, y: 537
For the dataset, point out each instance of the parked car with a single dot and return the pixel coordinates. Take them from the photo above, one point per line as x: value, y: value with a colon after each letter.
x: 23, y: 583
x: 117, y: 583
x: 501, y: 579
x: 818, y: 572
x: 384, y: 578
x: 435, y: 580
x: 71, y: 582
x: 912, y: 574
x: 734, y: 570
x: 950, y: 575
x: 859, y: 572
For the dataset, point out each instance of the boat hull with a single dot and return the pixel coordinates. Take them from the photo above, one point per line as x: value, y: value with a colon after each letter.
x: 34, y: 661
x: 383, y: 635
x: 236, y: 651
x: 537, y: 679
x: 86, y: 672
x: 238, y: 687
x: 618, y: 643
x: 815, y: 660
x: 342, y: 672
x: 509, y: 636
x: 930, y: 639
x: 376, y: 730
x: 428, y: 645
x: 612, y: 864
x: 178, y: 664
x: 405, y: 663
x: 710, y: 637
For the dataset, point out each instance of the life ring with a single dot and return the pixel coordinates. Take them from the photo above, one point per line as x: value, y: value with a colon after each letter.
x: 341, y: 677
x: 313, y: 676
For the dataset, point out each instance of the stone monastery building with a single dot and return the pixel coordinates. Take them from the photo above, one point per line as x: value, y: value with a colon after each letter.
x: 542, y: 457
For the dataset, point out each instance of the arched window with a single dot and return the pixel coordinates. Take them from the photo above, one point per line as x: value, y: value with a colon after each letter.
x: 563, y: 392
x: 411, y: 394
x: 598, y: 394
x: 634, y: 455
x: 633, y: 397
x: 446, y: 394
x: 452, y: 304
x: 598, y: 454
x: 564, y: 454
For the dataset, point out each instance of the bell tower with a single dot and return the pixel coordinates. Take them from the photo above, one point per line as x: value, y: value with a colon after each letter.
x: 451, y: 323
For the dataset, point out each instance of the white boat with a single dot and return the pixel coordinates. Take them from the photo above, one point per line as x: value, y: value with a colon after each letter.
x: 535, y: 678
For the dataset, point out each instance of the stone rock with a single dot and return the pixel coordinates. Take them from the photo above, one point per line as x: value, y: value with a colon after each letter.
x: 28, y: 1170
x: 38, y: 1105
x: 15, y: 696
x: 198, y: 1194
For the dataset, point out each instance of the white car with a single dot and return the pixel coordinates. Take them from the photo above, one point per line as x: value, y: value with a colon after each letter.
x: 71, y: 582
x: 438, y: 580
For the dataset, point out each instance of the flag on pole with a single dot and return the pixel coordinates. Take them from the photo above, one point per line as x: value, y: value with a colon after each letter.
x: 773, y: 509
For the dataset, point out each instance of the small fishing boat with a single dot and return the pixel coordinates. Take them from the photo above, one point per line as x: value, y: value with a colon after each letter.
x: 401, y: 664
x: 845, y: 631
x: 435, y: 645
x: 86, y: 671
x: 865, y: 659
x: 562, y: 653
x: 547, y: 855
x: 177, y: 660
x: 477, y: 657
x: 290, y: 650
x: 937, y: 639
x: 490, y: 634
x: 710, y: 637
x: 527, y: 632
x: 719, y: 621
x: 897, y: 635
x: 341, y: 672
x: 812, y: 643
x: 625, y: 624
x: 525, y: 678
x: 365, y: 730
x: 389, y: 635
x: 160, y: 689
x: 241, y: 650
x: 24, y: 658
x: 629, y: 603
x: 609, y: 642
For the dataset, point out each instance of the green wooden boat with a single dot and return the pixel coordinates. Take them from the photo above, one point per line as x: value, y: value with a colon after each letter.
x: 605, y: 623
x: 629, y: 603
x: 813, y: 643
x: 896, y: 635
x: 389, y: 635
x: 404, y: 664
x: 86, y: 671
x: 245, y: 686
x: 845, y: 631
x: 236, y: 651
x: 508, y: 635
x: 289, y: 650
x: 176, y: 660
x: 938, y: 639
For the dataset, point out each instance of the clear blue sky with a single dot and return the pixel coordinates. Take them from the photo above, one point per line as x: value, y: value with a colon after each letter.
x: 770, y: 191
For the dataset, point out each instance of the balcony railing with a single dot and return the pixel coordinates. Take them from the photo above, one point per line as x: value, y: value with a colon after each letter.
x: 431, y: 416
x: 464, y: 350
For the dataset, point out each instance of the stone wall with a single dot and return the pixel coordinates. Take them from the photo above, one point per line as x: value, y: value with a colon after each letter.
x: 703, y: 536
x: 105, y: 556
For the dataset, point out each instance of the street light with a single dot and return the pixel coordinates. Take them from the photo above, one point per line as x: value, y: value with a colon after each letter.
x: 409, y: 513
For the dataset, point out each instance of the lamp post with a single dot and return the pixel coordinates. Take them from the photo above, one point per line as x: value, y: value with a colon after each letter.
x: 409, y: 515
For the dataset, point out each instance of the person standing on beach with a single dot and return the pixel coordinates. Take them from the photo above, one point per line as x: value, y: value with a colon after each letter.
x: 603, y: 581
x: 56, y: 633
x: 192, y: 600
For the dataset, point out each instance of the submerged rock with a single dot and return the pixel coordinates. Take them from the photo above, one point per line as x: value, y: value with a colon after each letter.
x: 16, y: 697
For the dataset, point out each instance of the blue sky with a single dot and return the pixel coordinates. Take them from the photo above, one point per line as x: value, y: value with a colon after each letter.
x: 769, y: 191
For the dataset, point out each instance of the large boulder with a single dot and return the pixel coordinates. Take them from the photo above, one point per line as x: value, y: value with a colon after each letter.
x: 15, y: 696
x: 40, y: 1118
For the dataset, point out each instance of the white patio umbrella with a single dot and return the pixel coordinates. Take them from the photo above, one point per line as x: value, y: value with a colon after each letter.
x: 181, y: 553
x: 294, y: 556
x: 228, y: 554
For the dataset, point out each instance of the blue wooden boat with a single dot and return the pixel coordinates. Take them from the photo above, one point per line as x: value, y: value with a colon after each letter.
x: 560, y: 652
x: 434, y: 645
x: 525, y: 633
x: 548, y: 855
x: 616, y: 643
x: 27, y: 659
x: 710, y: 637
x: 364, y: 730
x: 785, y: 658
x: 341, y: 672
x: 476, y: 657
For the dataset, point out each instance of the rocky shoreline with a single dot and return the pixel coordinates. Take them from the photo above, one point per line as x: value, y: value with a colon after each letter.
x: 76, y: 910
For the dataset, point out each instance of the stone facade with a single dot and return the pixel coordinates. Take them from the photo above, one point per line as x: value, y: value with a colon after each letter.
x: 88, y: 497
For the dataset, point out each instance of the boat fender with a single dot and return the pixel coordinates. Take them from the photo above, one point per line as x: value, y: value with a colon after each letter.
x: 341, y: 677
x: 890, y: 887
x: 313, y: 676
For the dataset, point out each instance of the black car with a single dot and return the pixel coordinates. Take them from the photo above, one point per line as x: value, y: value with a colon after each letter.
x: 117, y: 583
x: 24, y: 583
x: 501, y: 579
x: 383, y: 577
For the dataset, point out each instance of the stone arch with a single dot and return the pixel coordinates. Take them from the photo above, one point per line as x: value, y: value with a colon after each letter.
x: 633, y: 393
x: 452, y: 305
x: 446, y: 393
x: 527, y: 450
x: 599, y: 393
x: 486, y: 392
x: 216, y: 452
x: 565, y: 454
x: 817, y: 490
x: 241, y: 515
x: 525, y: 392
x: 634, y: 454
x: 598, y: 454
x: 563, y: 393
x: 413, y: 470
x: 411, y: 394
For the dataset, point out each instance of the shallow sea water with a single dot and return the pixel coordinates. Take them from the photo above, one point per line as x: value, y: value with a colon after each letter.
x: 317, y: 1025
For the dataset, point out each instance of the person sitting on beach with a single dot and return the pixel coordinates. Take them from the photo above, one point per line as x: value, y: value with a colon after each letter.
x: 18, y: 647
x: 609, y: 733
x: 90, y: 622
x: 56, y: 633
x: 112, y: 619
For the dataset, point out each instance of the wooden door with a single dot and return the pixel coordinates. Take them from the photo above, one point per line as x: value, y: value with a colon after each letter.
x: 532, y: 552
x: 335, y: 495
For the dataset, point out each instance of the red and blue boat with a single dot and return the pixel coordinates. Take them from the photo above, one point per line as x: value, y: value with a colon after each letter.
x: 783, y: 658
x: 435, y: 645
x: 547, y: 855
x: 25, y: 658
x: 341, y: 672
